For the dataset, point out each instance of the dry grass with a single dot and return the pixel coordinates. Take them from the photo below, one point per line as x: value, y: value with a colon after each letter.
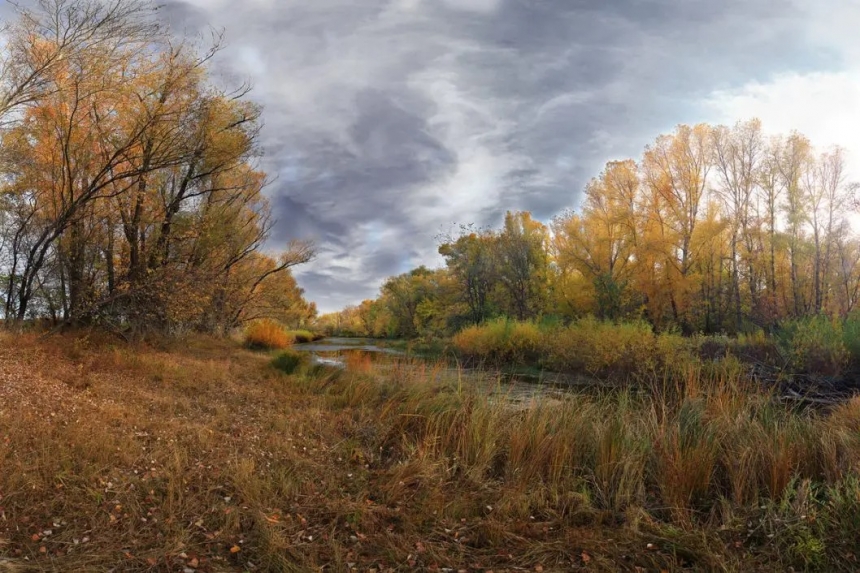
x: 267, y: 335
x: 200, y: 455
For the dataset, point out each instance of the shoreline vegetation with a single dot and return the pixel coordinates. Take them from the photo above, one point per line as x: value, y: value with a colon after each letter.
x: 201, y: 454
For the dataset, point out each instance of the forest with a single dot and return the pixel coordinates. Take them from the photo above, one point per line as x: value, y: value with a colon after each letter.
x: 714, y: 229
x: 131, y: 194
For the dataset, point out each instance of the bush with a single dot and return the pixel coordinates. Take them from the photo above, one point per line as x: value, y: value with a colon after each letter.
x: 588, y: 346
x: 289, y: 361
x: 500, y: 341
x: 851, y: 338
x: 303, y: 336
x: 815, y: 346
x: 610, y: 350
x: 266, y: 335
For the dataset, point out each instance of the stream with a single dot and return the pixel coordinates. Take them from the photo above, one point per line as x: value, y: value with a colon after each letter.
x: 517, y: 387
x: 521, y: 386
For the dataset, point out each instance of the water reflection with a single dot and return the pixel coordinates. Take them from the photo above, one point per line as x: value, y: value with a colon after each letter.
x: 359, y: 353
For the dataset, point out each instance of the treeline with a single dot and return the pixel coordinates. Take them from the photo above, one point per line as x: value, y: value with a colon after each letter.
x: 129, y: 188
x: 713, y: 229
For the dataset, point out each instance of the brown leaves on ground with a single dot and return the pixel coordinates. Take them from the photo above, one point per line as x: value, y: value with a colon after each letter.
x: 198, y: 456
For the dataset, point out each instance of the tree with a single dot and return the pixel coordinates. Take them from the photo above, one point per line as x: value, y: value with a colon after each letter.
x: 471, y: 260
x: 130, y: 193
x: 738, y: 153
x: 523, y: 262
x: 676, y: 170
x: 601, y: 242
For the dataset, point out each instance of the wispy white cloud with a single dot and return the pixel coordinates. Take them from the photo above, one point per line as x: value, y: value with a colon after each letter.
x: 824, y: 106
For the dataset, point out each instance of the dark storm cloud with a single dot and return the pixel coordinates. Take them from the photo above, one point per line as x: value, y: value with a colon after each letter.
x: 388, y: 120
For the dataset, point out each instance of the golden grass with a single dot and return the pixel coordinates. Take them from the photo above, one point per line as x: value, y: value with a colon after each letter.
x: 201, y: 455
x: 267, y: 335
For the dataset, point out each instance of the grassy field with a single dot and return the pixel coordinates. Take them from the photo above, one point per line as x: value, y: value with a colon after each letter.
x: 199, y: 455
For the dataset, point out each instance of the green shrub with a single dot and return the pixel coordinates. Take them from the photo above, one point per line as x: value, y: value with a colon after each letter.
x: 815, y: 345
x: 303, y: 336
x: 851, y: 338
x: 289, y: 361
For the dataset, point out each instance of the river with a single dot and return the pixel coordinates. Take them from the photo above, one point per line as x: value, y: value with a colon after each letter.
x: 337, y: 353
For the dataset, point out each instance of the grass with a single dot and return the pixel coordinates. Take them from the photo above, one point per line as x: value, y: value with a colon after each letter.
x: 816, y: 346
x: 199, y: 454
x: 267, y: 334
x: 303, y: 336
x: 289, y: 361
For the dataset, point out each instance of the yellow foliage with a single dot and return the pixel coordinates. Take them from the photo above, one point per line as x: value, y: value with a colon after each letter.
x: 587, y: 346
x: 500, y: 341
x: 267, y: 335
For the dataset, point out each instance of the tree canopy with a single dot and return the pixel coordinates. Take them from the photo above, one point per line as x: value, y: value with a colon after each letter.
x: 130, y: 191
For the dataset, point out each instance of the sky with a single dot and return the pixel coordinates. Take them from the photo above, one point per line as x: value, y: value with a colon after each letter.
x: 390, y: 122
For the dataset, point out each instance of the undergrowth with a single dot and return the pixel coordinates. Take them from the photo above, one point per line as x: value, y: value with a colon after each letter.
x: 203, y: 456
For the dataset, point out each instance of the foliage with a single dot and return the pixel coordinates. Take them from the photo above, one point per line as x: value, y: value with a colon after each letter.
x: 131, y: 196
x: 815, y: 345
x: 586, y: 346
x: 289, y: 361
x: 501, y: 341
x: 267, y: 334
x: 608, y: 350
x: 303, y: 336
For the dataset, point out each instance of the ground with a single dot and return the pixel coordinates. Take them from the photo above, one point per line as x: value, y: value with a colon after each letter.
x: 198, y: 455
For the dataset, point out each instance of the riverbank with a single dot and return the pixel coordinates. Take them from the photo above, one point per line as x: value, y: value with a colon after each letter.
x: 200, y: 455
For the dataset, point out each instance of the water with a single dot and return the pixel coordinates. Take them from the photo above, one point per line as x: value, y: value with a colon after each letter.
x: 517, y: 387
x: 338, y: 346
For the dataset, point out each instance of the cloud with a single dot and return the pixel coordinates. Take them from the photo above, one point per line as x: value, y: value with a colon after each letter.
x: 824, y: 106
x: 480, y: 6
x: 389, y: 120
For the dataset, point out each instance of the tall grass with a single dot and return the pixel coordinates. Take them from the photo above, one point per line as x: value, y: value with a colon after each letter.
x: 699, y: 454
x: 267, y: 335
x: 209, y: 452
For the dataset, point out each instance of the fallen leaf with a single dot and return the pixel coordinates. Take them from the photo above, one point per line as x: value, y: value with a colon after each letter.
x: 585, y: 557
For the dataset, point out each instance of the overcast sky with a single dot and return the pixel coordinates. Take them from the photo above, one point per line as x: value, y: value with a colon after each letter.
x: 388, y: 121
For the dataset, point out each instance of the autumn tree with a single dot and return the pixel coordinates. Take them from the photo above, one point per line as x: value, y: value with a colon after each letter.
x: 523, y: 263
x: 600, y: 242
x: 737, y: 155
x: 472, y: 262
x: 131, y: 193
